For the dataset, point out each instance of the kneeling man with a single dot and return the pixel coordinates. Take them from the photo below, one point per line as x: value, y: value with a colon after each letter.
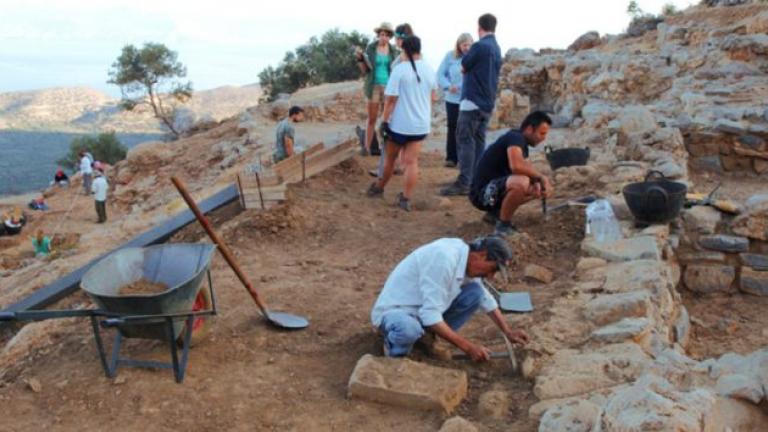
x: 436, y: 289
x: 504, y: 179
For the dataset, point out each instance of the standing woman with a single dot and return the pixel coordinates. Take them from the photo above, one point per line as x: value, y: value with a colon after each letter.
x: 376, y: 63
x: 449, y: 79
x: 407, y: 119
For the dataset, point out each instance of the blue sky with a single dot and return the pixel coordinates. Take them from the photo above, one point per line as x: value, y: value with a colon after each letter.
x: 73, y: 42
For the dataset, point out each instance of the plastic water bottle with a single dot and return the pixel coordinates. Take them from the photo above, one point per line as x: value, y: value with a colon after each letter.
x: 601, y: 222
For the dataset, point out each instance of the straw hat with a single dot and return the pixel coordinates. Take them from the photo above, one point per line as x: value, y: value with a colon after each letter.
x: 385, y: 26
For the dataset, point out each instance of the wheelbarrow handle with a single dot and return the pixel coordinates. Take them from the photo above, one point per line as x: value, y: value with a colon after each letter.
x: 33, y: 315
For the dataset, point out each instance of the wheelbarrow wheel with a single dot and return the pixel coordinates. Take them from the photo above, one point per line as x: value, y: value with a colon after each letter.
x: 200, y: 324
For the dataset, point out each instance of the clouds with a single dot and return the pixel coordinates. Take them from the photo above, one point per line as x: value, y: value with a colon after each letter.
x: 228, y: 42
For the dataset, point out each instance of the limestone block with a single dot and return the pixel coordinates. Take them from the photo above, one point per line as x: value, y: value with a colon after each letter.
x: 755, y: 261
x: 572, y: 416
x: 635, y: 248
x: 682, y: 328
x: 754, y: 282
x: 572, y: 373
x: 730, y: 126
x: 652, y: 403
x: 457, y: 424
x: 740, y: 387
x: 701, y: 257
x: 539, y: 273
x: 406, y: 383
x: 725, y: 243
x: 493, y: 404
x: 636, y: 275
x: 628, y: 328
x: 753, y: 223
x: 586, y: 41
x: 612, y: 307
x: 589, y: 263
x: 709, y: 278
x: 701, y: 219
x: 635, y: 119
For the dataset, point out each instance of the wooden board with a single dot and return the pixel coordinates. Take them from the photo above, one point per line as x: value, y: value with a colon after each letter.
x: 330, y: 157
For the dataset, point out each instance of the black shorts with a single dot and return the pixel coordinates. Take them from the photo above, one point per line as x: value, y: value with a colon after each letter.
x: 401, y: 139
x: 489, y: 196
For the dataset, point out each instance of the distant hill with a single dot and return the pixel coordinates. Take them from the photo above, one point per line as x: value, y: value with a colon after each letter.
x: 83, y: 109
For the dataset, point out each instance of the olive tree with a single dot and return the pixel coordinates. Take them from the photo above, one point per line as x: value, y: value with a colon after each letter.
x: 150, y: 76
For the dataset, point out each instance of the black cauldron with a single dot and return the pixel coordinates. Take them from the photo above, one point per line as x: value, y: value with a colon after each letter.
x: 566, y: 157
x: 655, y: 201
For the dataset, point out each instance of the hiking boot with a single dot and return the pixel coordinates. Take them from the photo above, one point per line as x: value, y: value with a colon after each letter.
x: 490, y: 218
x: 450, y: 164
x: 375, y: 191
x: 455, y: 189
x: 430, y: 344
x: 505, y: 229
x: 403, y: 202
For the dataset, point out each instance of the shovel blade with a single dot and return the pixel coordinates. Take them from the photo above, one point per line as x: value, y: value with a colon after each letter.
x: 286, y: 320
x: 519, y: 302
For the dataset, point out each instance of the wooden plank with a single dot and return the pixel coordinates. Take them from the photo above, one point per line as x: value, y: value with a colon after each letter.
x: 267, y: 178
x: 314, y: 149
x: 330, y: 157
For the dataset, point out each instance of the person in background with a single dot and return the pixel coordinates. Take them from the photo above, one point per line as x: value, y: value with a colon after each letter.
x: 481, y: 67
x: 61, y: 179
x: 86, y: 170
x: 285, y: 142
x: 376, y: 63
x: 407, y: 119
x: 449, y: 78
x: 100, y: 187
x: 402, y: 31
x: 41, y: 244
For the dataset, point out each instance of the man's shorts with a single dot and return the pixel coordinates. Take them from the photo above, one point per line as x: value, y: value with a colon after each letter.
x: 377, y: 95
x: 489, y: 197
x: 401, y: 139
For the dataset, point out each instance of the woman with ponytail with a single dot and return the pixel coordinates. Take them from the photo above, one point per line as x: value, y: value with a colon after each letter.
x: 407, y: 118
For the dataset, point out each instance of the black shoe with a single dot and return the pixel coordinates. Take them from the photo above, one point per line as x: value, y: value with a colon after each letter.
x: 450, y: 164
x: 490, y: 218
x: 403, y: 202
x: 505, y: 229
x: 455, y: 189
x: 375, y: 191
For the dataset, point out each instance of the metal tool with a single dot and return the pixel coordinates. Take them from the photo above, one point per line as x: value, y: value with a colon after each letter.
x: 508, y: 354
x: 580, y: 201
x: 516, y: 302
x: 279, y: 319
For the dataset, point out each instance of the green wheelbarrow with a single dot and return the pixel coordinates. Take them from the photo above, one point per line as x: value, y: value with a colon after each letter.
x: 175, y: 315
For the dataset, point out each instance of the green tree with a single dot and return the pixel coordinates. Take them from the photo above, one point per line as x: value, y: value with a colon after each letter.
x: 321, y: 60
x: 104, y: 147
x: 149, y: 76
x: 633, y: 9
x: 669, y: 9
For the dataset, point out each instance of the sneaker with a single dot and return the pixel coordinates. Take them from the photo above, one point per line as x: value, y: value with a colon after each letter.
x: 373, y: 173
x: 403, y: 202
x: 375, y: 191
x: 505, y: 229
x: 455, y: 189
x: 450, y: 164
x: 490, y: 218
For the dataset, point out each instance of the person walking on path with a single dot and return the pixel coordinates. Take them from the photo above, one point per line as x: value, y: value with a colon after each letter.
x: 407, y: 119
x: 100, y: 187
x: 505, y: 179
x: 449, y: 78
x: 376, y: 63
x: 436, y: 289
x: 285, y: 142
x: 481, y: 66
x: 86, y: 170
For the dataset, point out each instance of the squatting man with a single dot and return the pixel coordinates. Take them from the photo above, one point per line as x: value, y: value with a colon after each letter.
x: 436, y: 289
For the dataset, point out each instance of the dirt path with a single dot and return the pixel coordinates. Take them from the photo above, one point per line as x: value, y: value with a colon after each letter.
x: 325, y: 254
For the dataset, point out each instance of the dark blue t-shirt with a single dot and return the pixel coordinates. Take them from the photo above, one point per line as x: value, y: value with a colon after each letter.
x: 494, y: 162
x: 481, y: 73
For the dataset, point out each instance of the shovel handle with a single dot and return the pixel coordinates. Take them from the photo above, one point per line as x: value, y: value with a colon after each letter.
x: 494, y: 355
x: 225, y: 251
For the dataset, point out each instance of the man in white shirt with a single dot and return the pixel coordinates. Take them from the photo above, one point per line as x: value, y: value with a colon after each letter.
x: 86, y: 171
x: 437, y: 288
x: 100, y: 187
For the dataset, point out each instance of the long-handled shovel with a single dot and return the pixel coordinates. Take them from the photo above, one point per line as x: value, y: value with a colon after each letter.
x: 278, y: 319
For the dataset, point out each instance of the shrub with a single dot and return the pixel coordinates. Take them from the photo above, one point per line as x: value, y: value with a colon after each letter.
x: 104, y: 147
